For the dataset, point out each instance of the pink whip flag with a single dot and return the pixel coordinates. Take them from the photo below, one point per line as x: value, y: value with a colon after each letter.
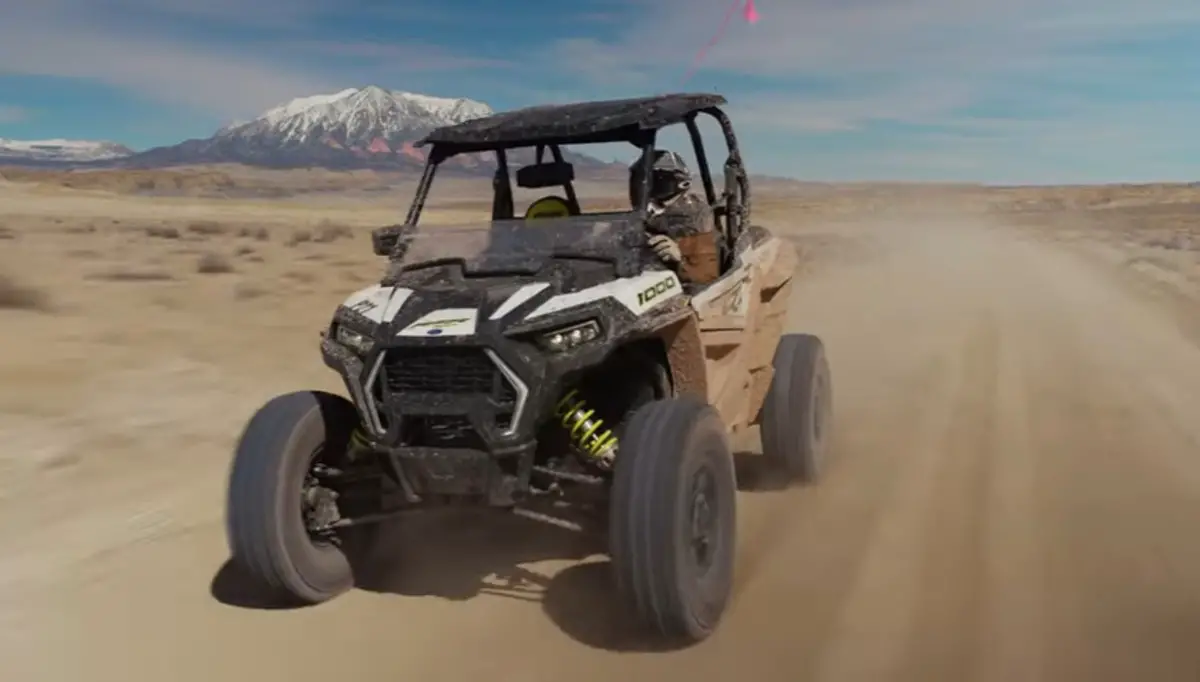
x: 749, y: 13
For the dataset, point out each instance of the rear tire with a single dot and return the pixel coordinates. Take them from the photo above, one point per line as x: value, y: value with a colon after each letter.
x: 677, y: 584
x: 265, y: 524
x: 798, y: 408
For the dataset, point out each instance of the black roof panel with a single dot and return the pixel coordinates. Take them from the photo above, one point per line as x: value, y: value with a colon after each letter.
x: 605, y: 120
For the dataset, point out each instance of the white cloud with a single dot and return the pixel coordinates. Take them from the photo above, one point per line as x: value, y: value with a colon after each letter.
x: 1135, y: 142
x: 848, y: 111
x: 69, y: 40
x: 141, y: 46
x: 900, y: 60
x: 884, y: 36
x: 13, y: 114
x: 994, y: 90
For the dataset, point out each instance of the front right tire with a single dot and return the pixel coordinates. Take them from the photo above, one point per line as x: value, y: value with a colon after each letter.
x: 265, y: 524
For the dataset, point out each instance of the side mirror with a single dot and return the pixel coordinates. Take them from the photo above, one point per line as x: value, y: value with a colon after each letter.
x: 543, y: 175
x: 385, y: 239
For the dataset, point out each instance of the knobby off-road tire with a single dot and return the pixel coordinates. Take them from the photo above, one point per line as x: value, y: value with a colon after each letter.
x: 798, y: 408
x: 667, y: 445
x: 264, y: 522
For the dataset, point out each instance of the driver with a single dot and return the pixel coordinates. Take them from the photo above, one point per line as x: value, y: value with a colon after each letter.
x: 680, y: 223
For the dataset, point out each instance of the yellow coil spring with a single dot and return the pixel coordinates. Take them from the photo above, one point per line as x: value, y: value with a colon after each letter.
x: 575, y: 416
x: 358, y: 442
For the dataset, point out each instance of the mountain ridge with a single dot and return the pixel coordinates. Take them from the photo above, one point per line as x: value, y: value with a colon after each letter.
x: 352, y: 129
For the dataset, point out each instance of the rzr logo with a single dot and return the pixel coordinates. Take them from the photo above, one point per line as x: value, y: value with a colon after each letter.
x: 439, y: 324
x: 364, y: 306
x: 735, y: 301
x: 655, y: 290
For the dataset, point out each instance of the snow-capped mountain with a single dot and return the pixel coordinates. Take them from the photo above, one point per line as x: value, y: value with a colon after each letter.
x: 60, y: 151
x: 366, y: 127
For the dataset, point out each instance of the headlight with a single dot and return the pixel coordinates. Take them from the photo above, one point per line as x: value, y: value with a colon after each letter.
x: 567, y: 338
x: 356, y: 341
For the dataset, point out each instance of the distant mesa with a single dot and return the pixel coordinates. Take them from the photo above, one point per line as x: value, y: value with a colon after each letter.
x: 52, y: 152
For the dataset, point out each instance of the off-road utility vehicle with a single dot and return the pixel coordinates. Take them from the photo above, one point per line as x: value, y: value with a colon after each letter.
x: 545, y: 356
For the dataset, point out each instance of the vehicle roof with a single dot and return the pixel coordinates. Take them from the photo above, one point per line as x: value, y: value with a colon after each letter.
x: 580, y: 122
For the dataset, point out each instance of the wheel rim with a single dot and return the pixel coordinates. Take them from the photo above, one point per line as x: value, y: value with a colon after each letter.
x: 318, y: 505
x: 703, y: 526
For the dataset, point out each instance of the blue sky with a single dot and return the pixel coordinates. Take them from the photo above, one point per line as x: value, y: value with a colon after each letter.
x: 973, y: 90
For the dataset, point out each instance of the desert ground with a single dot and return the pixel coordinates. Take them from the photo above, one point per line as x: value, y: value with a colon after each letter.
x: 1013, y: 494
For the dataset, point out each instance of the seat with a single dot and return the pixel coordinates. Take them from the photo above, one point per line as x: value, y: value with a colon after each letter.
x: 551, y: 206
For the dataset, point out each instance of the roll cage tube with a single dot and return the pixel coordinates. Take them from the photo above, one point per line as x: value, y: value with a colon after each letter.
x: 502, y: 183
x: 733, y: 213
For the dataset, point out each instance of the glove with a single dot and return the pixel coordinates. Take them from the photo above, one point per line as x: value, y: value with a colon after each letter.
x: 666, y: 249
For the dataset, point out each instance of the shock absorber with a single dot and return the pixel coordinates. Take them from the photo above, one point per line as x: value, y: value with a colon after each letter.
x: 583, y: 428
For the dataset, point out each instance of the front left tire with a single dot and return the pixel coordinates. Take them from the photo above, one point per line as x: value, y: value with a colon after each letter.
x: 672, y: 519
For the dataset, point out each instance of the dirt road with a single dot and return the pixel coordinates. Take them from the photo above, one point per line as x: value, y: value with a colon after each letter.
x: 1014, y: 498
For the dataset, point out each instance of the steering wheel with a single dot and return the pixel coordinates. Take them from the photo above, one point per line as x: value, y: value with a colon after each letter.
x: 548, y: 207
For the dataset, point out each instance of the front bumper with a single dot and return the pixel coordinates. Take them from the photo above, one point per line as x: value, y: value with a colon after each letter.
x: 454, y: 419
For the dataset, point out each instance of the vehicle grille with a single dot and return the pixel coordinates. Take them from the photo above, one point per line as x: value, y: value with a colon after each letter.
x: 453, y: 371
x: 443, y: 431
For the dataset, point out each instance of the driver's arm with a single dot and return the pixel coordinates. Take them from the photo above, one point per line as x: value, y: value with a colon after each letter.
x: 690, y: 223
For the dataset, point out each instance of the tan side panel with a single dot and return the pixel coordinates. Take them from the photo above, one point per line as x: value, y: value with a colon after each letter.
x: 740, y: 329
x: 729, y: 378
x: 685, y: 353
x: 769, y: 326
x: 779, y: 266
x: 775, y: 294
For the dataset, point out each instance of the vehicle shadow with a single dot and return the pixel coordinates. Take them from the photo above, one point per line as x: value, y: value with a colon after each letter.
x: 756, y: 475
x: 454, y: 554
x: 580, y: 601
x: 232, y: 586
x: 459, y: 555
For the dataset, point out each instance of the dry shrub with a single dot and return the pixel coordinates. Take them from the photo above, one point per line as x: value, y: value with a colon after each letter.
x: 243, y: 251
x: 163, y: 232
x: 246, y: 291
x: 121, y: 275
x: 356, y: 276
x: 1177, y: 242
x: 6, y: 233
x: 298, y: 276
x: 331, y: 232
x: 259, y: 234
x: 213, y: 264
x: 17, y: 296
x: 207, y: 228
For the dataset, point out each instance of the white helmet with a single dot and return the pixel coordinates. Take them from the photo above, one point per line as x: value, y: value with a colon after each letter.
x: 669, y: 179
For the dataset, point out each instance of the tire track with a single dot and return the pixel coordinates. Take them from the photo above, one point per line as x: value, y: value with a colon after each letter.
x: 878, y: 618
x: 943, y: 646
x: 1010, y: 642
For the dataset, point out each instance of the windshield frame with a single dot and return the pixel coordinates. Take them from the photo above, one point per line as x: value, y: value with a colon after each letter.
x: 518, y: 246
x: 502, y: 182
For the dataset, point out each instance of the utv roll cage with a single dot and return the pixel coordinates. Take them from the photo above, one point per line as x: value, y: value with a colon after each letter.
x: 549, y: 127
